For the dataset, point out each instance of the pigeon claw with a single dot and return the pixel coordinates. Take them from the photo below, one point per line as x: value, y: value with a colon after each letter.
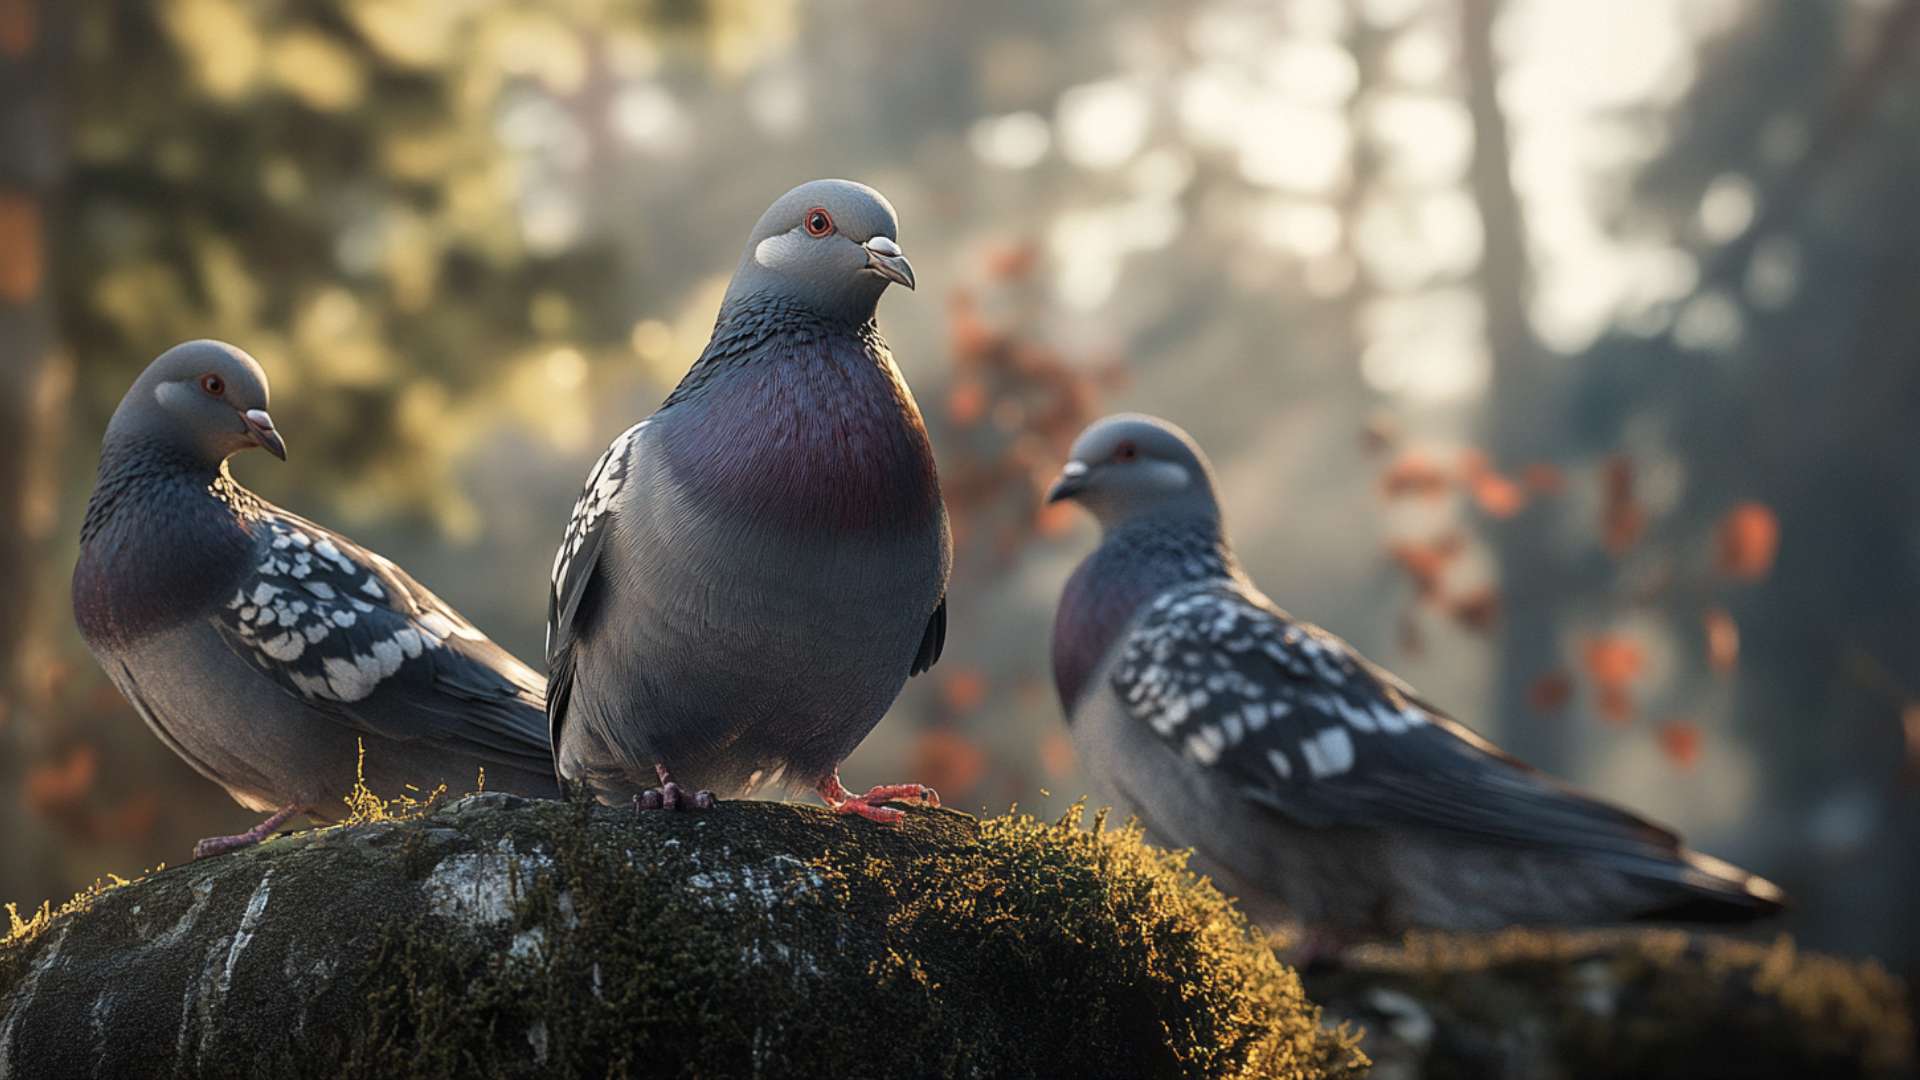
x: 867, y: 806
x: 671, y: 796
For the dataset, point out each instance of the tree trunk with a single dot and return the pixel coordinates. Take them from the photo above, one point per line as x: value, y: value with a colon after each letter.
x: 33, y: 39
x: 1520, y: 407
x: 29, y: 169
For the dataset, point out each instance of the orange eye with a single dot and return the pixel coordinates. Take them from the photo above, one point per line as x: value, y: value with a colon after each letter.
x: 1126, y: 451
x: 819, y: 222
x: 213, y: 384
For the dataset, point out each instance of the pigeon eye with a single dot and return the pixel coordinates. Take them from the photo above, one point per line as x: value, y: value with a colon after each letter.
x: 1126, y: 451
x: 213, y: 384
x: 819, y: 222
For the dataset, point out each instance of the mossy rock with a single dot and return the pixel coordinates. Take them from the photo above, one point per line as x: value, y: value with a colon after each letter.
x: 1619, y: 1005
x: 502, y: 937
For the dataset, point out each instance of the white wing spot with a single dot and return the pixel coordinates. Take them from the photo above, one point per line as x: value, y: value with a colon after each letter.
x: 1328, y: 753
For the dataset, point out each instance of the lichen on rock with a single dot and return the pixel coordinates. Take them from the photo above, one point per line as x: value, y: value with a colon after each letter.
x: 501, y: 937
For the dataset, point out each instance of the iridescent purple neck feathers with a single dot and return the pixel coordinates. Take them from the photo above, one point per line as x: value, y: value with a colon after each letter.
x: 1134, y: 563
x: 803, y: 422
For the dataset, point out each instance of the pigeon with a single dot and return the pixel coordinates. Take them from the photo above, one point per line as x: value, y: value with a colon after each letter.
x: 268, y: 651
x: 1319, y: 787
x: 753, y: 572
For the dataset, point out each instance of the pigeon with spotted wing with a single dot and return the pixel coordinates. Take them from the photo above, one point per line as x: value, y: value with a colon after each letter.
x: 753, y: 572
x: 1304, y: 777
x: 264, y: 649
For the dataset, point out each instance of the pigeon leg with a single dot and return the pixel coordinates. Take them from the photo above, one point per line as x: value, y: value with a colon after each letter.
x: 671, y: 796
x: 843, y: 801
x: 216, y: 845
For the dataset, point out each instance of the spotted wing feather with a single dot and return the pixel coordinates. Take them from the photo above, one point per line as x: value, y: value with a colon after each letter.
x: 575, y: 566
x: 1304, y: 725
x: 356, y: 638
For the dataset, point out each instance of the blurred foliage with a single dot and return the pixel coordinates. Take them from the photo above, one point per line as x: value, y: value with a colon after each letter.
x: 322, y: 184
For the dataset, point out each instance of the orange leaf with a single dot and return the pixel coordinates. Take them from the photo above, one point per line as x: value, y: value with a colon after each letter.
x: 1413, y: 473
x: 967, y: 402
x: 969, y: 337
x: 965, y: 690
x: 947, y: 761
x: 1477, y: 610
x: 1749, y: 540
x: 17, y: 27
x: 136, y: 817
x: 1723, y: 640
x: 22, y: 256
x: 1550, y: 692
x: 55, y: 785
x: 1621, y: 517
x: 1680, y: 741
x: 1543, y: 479
x: 1613, y: 660
x: 1614, y: 704
x: 1056, y: 755
x: 1497, y: 495
x: 1424, y: 563
x: 1008, y: 262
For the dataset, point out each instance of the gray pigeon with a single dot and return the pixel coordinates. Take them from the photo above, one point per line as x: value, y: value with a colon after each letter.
x: 1313, y: 783
x: 753, y: 572
x: 265, y: 649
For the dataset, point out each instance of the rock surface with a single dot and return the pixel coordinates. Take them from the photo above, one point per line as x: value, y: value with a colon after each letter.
x: 1618, y: 1005
x: 502, y: 937
x: 497, y: 936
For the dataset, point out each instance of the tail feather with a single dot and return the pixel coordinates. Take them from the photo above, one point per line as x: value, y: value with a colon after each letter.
x: 1713, y: 891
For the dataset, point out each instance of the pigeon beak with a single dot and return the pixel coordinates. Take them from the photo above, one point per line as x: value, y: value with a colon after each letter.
x: 260, y: 426
x: 885, y: 258
x: 1071, y: 481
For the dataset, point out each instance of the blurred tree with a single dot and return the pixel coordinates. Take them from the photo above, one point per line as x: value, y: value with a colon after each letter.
x: 33, y: 38
x: 330, y: 184
x: 1783, y: 388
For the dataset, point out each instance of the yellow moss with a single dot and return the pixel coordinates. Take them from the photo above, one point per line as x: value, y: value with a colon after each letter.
x: 364, y: 807
x: 21, y: 931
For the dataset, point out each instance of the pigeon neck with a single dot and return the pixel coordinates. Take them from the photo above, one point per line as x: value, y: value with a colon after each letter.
x: 802, y: 424
x: 165, y: 536
x: 1135, y: 562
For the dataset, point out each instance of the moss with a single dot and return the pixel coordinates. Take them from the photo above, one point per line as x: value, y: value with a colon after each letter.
x: 22, y: 931
x: 1611, y: 1004
x: 946, y: 948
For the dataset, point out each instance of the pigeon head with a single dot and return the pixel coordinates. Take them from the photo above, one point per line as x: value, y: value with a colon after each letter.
x: 828, y: 245
x: 205, y: 399
x: 1130, y: 465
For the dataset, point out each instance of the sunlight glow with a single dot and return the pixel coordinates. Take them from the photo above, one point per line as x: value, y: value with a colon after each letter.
x: 1428, y: 347
x: 1102, y: 124
x: 646, y: 116
x: 1014, y: 141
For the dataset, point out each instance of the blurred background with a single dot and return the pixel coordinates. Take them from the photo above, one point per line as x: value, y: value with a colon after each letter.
x: 1564, y: 357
